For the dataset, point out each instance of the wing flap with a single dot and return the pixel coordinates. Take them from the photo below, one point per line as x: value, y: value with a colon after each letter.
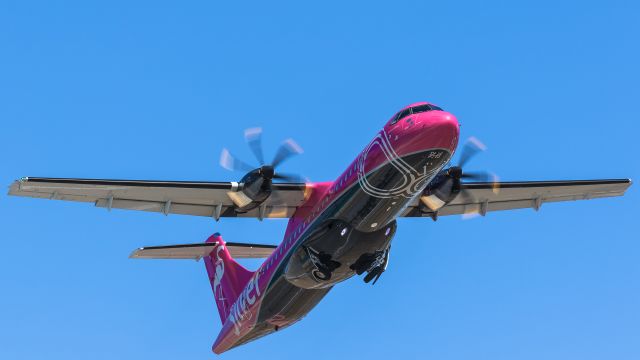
x: 191, y: 209
x: 576, y: 189
x: 200, y: 250
x: 201, y: 193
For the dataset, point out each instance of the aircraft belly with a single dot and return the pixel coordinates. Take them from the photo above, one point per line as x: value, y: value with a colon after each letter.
x: 338, y: 246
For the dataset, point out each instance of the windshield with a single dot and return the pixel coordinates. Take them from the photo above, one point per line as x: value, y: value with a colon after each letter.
x: 400, y: 115
x: 423, y: 108
x: 414, y: 110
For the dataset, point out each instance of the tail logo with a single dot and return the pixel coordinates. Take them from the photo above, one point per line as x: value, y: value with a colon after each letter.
x: 240, y: 309
x: 218, y: 265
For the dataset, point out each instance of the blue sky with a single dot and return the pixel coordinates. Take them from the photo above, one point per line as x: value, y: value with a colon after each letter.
x: 155, y: 89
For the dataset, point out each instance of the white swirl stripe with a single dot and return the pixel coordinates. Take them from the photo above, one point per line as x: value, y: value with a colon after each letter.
x: 413, y: 181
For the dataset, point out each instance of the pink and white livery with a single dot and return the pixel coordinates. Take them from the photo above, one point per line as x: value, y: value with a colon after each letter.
x: 336, y: 229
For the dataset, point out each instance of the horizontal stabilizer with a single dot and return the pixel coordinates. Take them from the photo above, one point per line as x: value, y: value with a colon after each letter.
x: 200, y: 250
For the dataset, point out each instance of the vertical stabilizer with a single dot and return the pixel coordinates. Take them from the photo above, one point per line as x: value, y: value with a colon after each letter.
x: 227, y: 277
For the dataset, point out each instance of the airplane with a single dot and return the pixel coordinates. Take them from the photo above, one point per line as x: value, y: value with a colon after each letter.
x: 335, y: 230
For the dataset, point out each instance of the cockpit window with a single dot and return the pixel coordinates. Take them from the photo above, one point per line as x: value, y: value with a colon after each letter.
x: 414, y: 110
x: 400, y: 115
x: 424, y: 108
x: 420, y: 108
x: 404, y: 113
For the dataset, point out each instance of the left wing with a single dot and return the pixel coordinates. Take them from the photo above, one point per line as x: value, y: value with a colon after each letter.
x: 167, y: 197
x: 483, y: 197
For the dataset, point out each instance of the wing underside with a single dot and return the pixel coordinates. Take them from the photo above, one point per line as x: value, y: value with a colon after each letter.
x: 168, y: 197
x: 481, y: 198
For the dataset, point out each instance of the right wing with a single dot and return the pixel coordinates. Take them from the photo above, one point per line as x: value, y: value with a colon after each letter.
x: 485, y: 197
x: 200, y: 250
x: 167, y: 197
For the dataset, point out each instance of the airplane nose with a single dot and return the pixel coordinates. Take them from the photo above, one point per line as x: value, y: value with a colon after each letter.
x: 447, y: 122
x: 439, y: 130
x: 429, y: 130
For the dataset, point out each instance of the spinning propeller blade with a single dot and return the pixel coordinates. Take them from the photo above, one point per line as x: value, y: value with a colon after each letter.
x: 253, y: 136
x: 295, y: 178
x: 232, y: 163
x: 483, y: 176
x: 471, y: 148
x: 288, y: 149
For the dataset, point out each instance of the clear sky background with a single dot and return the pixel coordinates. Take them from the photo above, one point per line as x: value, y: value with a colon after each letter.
x: 155, y: 89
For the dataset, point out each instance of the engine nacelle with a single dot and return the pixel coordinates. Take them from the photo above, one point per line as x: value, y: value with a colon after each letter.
x: 254, y: 188
x: 441, y: 191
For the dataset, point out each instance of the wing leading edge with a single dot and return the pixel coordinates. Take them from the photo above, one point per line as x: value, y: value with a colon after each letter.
x: 168, y: 197
x: 483, y: 197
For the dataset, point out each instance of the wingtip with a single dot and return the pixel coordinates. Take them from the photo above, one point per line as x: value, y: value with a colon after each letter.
x: 16, y: 185
x: 134, y: 253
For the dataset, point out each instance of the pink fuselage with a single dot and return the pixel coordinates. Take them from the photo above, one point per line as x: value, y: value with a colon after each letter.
x: 342, y: 220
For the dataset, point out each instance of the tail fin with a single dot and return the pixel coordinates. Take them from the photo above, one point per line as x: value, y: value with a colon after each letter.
x: 227, y: 277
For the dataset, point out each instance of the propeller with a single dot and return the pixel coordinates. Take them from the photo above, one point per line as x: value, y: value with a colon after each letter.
x: 471, y: 148
x: 253, y: 137
x: 456, y: 174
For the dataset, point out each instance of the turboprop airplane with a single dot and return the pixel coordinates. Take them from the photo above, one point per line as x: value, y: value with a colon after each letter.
x: 336, y: 229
